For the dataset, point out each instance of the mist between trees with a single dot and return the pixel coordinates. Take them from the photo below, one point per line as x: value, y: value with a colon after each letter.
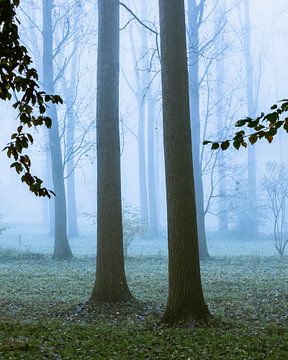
x: 143, y: 84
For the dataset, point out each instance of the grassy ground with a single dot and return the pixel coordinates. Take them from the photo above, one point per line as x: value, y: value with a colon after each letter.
x: 43, y: 317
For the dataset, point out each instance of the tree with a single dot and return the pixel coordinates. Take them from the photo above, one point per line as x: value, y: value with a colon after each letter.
x: 61, y: 246
x: 276, y: 187
x: 140, y: 84
x: 185, y: 299
x: 70, y: 138
x: 110, y: 284
x: 220, y: 79
x: 195, y: 16
x: 152, y: 203
x: 19, y: 79
x: 251, y: 99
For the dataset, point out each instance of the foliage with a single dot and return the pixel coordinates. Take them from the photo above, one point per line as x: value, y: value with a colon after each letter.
x: 41, y: 318
x: 132, y: 225
x: 265, y: 126
x: 276, y: 186
x: 18, y: 79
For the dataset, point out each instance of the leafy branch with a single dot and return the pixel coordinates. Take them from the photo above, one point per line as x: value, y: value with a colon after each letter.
x: 18, y: 79
x: 265, y: 126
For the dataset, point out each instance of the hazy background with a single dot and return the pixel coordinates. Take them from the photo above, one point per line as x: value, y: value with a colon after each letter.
x: 26, y: 218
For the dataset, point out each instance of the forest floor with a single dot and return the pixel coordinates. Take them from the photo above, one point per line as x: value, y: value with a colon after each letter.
x: 43, y: 315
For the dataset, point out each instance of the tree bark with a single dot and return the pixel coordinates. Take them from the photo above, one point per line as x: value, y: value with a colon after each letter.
x: 195, y: 121
x: 185, y: 299
x: 110, y: 284
x: 61, y: 245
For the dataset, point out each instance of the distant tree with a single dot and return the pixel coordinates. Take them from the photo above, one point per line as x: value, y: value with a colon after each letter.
x: 137, y: 90
x: 62, y: 248
x: 275, y: 185
x: 110, y: 284
x: 151, y: 112
x: 185, y: 299
x: 220, y: 80
x: 70, y: 31
x: 251, y: 228
x: 195, y: 18
x: 19, y: 81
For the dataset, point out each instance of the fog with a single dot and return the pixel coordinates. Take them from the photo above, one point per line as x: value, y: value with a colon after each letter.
x: 165, y: 235
x: 223, y: 75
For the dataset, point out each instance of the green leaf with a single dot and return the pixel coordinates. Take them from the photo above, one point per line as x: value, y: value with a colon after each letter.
x: 215, y: 146
x: 225, y: 145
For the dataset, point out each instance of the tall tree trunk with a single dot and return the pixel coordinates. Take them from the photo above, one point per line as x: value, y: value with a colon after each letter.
x: 150, y: 112
x: 51, y: 201
x: 71, y: 194
x: 185, y: 299
x: 70, y: 96
x: 110, y: 284
x: 194, y: 89
x: 142, y: 162
x: 251, y: 223
x: 141, y: 83
x: 153, y: 213
x: 61, y: 246
x: 220, y: 77
x: 157, y: 172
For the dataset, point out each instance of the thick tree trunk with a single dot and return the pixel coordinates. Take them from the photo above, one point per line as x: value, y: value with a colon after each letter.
x: 185, y: 299
x: 61, y: 246
x: 110, y: 284
x: 251, y: 222
x: 195, y: 121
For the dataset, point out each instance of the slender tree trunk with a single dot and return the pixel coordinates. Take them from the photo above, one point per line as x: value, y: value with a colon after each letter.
x: 51, y: 202
x: 220, y: 78
x: 150, y: 115
x: 70, y: 96
x: 142, y: 162
x: 195, y: 121
x: 185, y: 299
x: 222, y: 218
x: 61, y: 246
x: 110, y: 284
x: 153, y: 213
x: 157, y: 173
x: 71, y: 194
x: 141, y: 83
x: 251, y: 224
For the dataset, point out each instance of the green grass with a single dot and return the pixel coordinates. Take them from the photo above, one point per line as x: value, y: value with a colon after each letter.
x: 42, y: 316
